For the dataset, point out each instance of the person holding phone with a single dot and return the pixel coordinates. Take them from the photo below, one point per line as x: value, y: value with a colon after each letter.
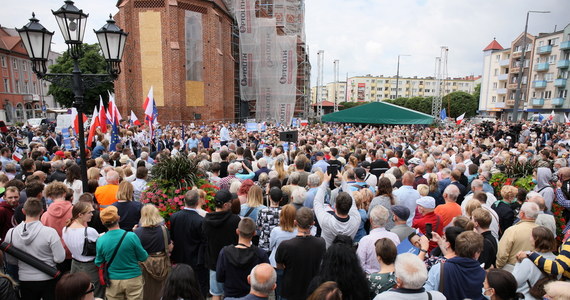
x: 428, y: 220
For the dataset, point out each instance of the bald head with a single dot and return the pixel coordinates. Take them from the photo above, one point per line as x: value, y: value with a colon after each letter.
x: 539, y: 200
x: 564, y: 173
x: 408, y: 178
x: 262, y: 280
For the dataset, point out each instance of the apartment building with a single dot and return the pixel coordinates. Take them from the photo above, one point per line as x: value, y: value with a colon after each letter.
x: 544, y: 84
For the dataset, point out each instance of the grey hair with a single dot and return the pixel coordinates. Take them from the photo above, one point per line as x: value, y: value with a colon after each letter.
x: 262, y: 287
x: 411, y: 270
x: 294, y: 178
x: 313, y: 180
x: 57, y: 165
x: 530, y: 210
x: 452, y: 192
x: 298, y: 196
x: 477, y: 183
x: 262, y: 162
x: 379, y: 215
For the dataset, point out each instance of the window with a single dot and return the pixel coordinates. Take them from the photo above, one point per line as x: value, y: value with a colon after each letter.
x: 494, y: 99
x: 553, y: 42
x: 496, y: 72
x: 494, y: 85
x: 24, y: 64
x: 3, y: 58
x: 17, y: 86
x: 194, y: 46
x: 427, y: 90
x: 549, y: 76
x: 15, y: 64
x: 524, y: 79
x: 517, y: 49
x: 540, y: 44
x: 25, y: 87
x: 497, y: 57
x: 552, y: 59
x: 6, y: 85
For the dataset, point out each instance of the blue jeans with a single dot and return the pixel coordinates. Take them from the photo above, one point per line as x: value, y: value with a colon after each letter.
x: 216, y: 288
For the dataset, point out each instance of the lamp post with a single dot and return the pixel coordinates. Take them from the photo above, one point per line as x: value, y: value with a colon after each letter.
x: 521, y: 68
x: 72, y: 22
x: 398, y: 73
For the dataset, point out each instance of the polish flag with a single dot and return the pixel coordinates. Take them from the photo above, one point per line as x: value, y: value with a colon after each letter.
x: 566, y: 120
x: 17, y: 156
x: 148, y: 107
x: 102, y: 116
x: 134, y: 119
x: 113, y: 110
x: 551, y: 116
x: 459, y: 119
x: 75, y: 118
x: 94, y: 125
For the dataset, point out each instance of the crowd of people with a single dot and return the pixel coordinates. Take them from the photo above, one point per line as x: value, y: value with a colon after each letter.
x: 345, y: 212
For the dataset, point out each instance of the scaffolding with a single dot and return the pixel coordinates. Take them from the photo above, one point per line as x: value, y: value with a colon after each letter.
x: 440, y: 77
x: 268, y: 96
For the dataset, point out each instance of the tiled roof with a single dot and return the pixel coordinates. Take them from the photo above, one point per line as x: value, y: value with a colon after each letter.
x: 494, y: 45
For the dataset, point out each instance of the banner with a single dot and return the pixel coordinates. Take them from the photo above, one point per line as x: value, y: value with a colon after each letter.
x: 287, y: 75
x: 249, y: 48
x: 267, y: 69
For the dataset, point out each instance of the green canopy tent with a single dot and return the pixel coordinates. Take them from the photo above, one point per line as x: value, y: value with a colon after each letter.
x: 379, y: 113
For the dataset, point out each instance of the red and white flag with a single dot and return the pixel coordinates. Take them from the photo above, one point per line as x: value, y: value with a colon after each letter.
x: 75, y: 118
x: 94, y: 125
x: 551, y: 116
x: 113, y: 110
x: 148, y: 107
x: 134, y: 119
x: 17, y: 156
x: 566, y: 120
x: 102, y: 116
x: 459, y: 119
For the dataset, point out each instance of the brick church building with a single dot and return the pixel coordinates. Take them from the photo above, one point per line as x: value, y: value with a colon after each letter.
x: 185, y: 50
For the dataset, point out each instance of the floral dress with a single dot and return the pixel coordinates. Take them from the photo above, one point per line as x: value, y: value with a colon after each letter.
x: 380, y: 282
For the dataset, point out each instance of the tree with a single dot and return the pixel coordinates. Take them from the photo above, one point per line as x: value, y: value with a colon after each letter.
x: 92, y: 62
x: 459, y: 103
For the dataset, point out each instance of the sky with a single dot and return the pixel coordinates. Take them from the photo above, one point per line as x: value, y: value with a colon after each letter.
x: 366, y: 36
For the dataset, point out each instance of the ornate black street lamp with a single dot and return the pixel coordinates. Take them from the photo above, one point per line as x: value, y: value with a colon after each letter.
x: 72, y: 22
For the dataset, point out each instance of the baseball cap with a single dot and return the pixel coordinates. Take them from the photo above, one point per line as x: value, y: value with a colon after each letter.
x: 426, y: 201
x: 393, y: 160
x: 365, y: 164
x: 222, y: 196
x: 109, y: 215
x: 415, y: 161
x: 360, y: 173
x: 319, y: 154
x: 401, y: 212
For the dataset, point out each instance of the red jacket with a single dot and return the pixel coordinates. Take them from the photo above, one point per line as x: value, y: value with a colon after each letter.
x: 6, y: 218
x: 436, y: 226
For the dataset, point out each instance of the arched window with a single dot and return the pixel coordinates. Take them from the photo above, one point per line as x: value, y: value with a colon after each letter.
x: 29, y: 111
x: 19, y: 112
x: 9, y: 112
x: 37, y: 111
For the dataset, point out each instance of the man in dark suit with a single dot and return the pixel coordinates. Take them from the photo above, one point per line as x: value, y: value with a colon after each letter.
x: 455, y: 177
x: 189, y: 239
x: 51, y: 142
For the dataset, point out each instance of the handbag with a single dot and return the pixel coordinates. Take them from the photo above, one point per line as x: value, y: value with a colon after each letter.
x: 158, y: 265
x: 89, y: 247
x: 104, y: 268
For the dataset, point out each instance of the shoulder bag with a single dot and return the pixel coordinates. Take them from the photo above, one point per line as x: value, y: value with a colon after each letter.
x: 104, y: 268
x: 157, y: 265
x: 89, y: 247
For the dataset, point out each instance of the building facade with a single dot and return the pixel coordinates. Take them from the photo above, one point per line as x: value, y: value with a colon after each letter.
x: 378, y: 88
x: 544, y: 81
x: 20, y: 91
x: 185, y: 50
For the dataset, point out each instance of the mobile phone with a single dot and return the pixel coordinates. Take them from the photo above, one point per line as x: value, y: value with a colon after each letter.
x: 332, y: 170
x: 428, y: 231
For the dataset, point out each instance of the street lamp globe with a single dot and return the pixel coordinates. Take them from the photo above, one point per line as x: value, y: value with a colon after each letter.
x: 37, y: 41
x: 112, y: 41
x: 71, y: 22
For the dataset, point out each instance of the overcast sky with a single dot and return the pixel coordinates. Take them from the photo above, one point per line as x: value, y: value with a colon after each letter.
x: 367, y: 35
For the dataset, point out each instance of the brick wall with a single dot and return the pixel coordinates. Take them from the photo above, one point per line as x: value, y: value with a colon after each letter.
x: 218, y: 72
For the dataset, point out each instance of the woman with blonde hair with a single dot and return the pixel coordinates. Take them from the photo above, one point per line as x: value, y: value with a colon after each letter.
x: 279, y: 166
x: 94, y: 173
x: 284, y: 231
x: 472, y: 205
x: 155, y: 240
x: 503, y: 207
x: 433, y: 184
x: 75, y: 234
x: 128, y: 210
x: 254, y: 203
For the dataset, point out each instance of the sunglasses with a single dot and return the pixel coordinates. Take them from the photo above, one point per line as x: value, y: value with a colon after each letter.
x: 91, y: 289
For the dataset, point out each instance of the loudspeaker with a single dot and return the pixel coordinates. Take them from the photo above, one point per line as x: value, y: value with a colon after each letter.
x: 289, y: 136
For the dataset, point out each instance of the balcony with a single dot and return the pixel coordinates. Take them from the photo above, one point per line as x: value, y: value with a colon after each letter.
x: 504, y: 62
x: 560, y: 82
x: 565, y: 45
x: 500, y: 105
x: 563, y: 64
x: 510, y: 102
x: 542, y: 67
x: 557, y: 101
x: 502, y: 91
x: 539, y: 84
x: 512, y: 86
x: 544, y: 49
x: 503, y: 76
x: 537, y: 101
x: 514, y: 70
x: 516, y: 54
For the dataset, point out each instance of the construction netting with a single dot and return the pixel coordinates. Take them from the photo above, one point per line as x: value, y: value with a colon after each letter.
x: 268, y: 60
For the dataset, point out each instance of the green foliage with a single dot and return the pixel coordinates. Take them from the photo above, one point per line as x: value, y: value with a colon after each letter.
x: 179, y: 170
x: 347, y: 105
x: 477, y: 91
x: 518, y: 170
x: 456, y: 104
x: 92, y: 62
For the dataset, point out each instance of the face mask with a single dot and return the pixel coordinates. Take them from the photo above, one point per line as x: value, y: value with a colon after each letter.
x: 534, y: 181
x: 483, y: 290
